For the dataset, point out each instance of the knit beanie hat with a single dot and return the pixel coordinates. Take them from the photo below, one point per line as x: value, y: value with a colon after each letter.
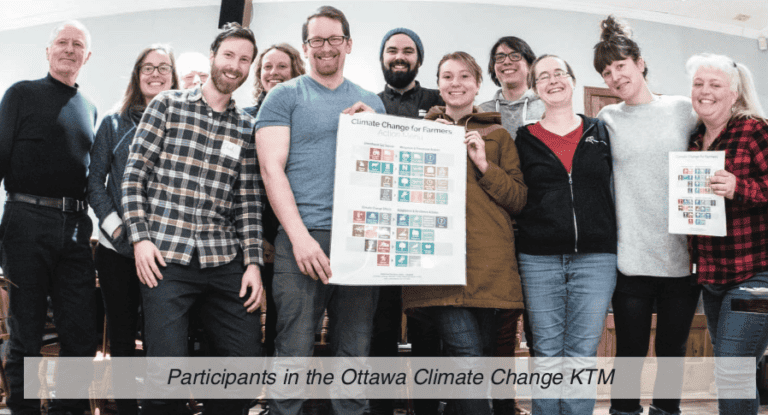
x: 410, y: 33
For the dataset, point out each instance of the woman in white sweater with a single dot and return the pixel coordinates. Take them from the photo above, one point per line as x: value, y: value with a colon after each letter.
x: 653, y: 265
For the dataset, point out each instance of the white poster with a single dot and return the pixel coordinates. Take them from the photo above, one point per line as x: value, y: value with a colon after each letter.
x: 399, y: 215
x: 693, y: 208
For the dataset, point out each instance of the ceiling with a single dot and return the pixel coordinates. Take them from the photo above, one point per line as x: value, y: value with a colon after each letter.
x: 715, y: 15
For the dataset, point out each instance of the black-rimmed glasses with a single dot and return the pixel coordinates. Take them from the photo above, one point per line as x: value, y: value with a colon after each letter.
x: 317, y: 42
x: 163, y: 69
x: 513, y: 56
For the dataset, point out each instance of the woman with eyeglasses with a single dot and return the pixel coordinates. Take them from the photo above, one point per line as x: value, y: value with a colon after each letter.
x: 152, y: 73
x: 653, y: 265
x: 567, y: 233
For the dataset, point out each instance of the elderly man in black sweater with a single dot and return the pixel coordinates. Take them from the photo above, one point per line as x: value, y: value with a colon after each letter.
x: 46, y: 133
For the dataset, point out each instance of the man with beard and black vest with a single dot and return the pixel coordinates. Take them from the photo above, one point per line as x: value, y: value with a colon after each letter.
x: 401, y: 56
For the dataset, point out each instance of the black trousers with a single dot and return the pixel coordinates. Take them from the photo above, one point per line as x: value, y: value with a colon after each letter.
x: 47, y: 252
x: 233, y: 331
x: 633, y: 302
x: 120, y: 292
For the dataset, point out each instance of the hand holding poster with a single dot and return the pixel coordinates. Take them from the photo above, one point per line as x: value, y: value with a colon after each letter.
x: 399, y: 215
x: 693, y: 208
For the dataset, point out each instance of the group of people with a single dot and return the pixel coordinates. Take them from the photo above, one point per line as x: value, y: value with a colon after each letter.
x: 203, y: 206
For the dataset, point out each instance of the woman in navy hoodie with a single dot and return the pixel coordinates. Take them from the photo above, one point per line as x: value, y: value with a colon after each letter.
x: 567, y: 232
x: 152, y: 73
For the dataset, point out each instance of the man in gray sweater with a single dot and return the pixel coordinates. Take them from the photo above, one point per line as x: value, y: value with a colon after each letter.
x: 509, y: 66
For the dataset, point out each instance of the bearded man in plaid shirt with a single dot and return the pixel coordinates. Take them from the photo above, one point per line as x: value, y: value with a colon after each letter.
x: 192, y: 203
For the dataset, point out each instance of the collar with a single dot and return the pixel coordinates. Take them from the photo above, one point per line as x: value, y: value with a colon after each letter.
x: 528, y: 95
x: 440, y: 113
x: 392, y: 92
x: 196, y: 94
x: 697, y: 138
x: 55, y: 81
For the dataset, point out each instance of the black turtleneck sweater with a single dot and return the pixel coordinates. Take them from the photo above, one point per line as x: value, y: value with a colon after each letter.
x: 46, y: 134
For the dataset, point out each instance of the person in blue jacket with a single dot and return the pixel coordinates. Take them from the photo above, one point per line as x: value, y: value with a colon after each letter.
x: 152, y: 73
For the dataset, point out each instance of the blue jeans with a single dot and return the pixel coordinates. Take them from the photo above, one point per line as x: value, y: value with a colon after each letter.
x: 467, y: 332
x: 736, y: 334
x: 300, y: 302
x: 567, y: 297
x: 47, y: 252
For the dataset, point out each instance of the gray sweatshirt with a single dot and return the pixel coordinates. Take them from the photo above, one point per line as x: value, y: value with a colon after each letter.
x: 641, y: 138
x: 515, y: 114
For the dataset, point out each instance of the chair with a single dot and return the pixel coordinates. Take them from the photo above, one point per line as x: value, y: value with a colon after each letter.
x: 4, y: 332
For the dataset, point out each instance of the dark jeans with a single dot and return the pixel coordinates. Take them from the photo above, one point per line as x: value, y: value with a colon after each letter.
x: 387, y: 322
x: 467, y: 332
x: 507, y: 342
x: 633, y: 301
x: 47, y: 252
x: 386, y: 336
x: 736, y: 332
x: 425, y: 342
x: 422, y: 334
x: 120, y: 292
x: 300, y: 305
x: 234, y: 332
x: 270, y: 326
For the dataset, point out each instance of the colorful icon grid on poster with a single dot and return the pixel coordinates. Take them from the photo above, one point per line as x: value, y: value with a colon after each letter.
x: 408, y: 237
x: 418, y: 178
x: 697, y: 182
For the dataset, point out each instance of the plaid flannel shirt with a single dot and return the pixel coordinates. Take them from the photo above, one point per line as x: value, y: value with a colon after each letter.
x: 743, y: 252
x: 192, y: 181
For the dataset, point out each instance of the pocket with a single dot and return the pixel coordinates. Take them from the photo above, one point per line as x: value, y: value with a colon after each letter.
x: 595, y: 214
x: 744, y: 305
x: 121, y: 243
x: 5, y: 223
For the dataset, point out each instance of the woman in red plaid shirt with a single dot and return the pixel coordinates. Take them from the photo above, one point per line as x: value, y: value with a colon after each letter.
x: 731, y: 268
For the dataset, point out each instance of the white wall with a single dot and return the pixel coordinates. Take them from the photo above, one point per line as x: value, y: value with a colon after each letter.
x: 443, y: 28
x: 447, y: 27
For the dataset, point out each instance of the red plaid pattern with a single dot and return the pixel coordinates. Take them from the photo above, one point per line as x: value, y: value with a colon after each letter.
x: 743, y: 252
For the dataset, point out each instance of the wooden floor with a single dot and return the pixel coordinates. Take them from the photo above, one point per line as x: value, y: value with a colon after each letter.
x: 692, y: 407
x: 688, y: 407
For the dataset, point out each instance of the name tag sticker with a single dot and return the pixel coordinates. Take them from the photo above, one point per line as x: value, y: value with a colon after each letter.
x: 230, y: 150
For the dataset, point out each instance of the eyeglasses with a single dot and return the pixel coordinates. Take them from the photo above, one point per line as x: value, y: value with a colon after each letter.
x: 317, y: 42
x: 513, y: 56
x: 546, y: 77
x: 163, y: 68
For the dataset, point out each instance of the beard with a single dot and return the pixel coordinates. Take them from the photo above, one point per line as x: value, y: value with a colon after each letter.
x: 223, y: 84
x: 398, y: 79
x: 326, y: 68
